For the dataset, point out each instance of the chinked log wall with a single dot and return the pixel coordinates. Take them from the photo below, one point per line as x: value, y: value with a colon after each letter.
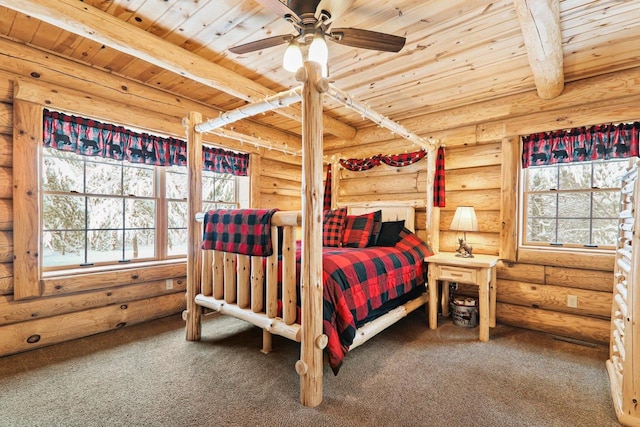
x: 67, y: 308
x: 482, y: 160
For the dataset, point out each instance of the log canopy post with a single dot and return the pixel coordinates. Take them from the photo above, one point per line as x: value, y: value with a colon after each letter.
x: 310, y: 365
x: 193, y: 313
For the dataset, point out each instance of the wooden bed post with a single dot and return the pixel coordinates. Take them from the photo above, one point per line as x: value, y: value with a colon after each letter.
x: 193, y: 312
x: 310, y: 365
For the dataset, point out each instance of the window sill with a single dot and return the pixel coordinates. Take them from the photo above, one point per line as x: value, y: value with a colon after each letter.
x: 80, y: 271
x: 591, y: 259
x: 79, y: 280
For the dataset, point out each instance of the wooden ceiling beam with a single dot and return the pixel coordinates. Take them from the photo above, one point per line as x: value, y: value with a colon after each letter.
x: 87, y: 21
x: 540, y: 23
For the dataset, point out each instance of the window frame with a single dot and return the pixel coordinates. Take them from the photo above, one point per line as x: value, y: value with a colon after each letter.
x: 160, y: 197
x: 88, y: 161
x: 29, y: 279
x: 524, y: 244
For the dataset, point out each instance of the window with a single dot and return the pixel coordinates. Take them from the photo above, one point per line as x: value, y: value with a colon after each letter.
x: 91, y: 179
x: 99, y: 211
x: 572, y: 204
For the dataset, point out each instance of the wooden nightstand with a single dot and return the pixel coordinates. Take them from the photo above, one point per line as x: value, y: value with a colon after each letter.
x: 479, y: 270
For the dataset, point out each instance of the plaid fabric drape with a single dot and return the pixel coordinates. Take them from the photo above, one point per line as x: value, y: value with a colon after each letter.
x: 395, y: 160
x: 438, y: 183
x: 327, y: 189
x: 398, y: 160
x: 88, y: 137
x: 581, y: 144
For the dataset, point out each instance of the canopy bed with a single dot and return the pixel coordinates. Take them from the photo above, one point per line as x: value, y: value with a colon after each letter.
x: 248, y: 287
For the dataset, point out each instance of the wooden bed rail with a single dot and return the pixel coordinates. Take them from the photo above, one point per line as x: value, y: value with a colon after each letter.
x: 246, y: 287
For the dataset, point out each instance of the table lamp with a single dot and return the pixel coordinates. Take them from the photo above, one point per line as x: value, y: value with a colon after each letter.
x: 464, y: 220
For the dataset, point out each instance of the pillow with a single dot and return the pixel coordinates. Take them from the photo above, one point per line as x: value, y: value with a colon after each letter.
x: 357, y: 230
x: 390, y: 233
x: 332, y: 226
x: 377, y: 223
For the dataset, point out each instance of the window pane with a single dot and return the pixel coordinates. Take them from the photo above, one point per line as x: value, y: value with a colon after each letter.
x: 104, y: 213
x: 541, y: 205
x: 104, y: 179
x: 176, y: 185
x: 63, y: 248
x: 104, y: 246
x: 140, y: 213
x: 225, y: 190
x: 206, y: 207
x: 208, y: 188
x: 62, y: 174
x: 138, y: 181
x: 575, y: 176
x: 574, y: 205
x: 140, y: 244
x: 540, y: 179
x: 609, y: 174
x: 605, y: 232
x: 573, y: 231
x: 177, y: 214
x: 62, y: 212
x: 541, y: 230
x: 606, y: 204
x: 177, y: 242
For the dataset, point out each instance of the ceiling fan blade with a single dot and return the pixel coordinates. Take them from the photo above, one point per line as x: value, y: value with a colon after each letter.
x: 261, y: 44
x: 368, y: 39
x: 280, y: 9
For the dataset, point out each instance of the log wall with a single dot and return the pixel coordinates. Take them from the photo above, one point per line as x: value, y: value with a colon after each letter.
x: 483, y: 148
x: 73, y: 307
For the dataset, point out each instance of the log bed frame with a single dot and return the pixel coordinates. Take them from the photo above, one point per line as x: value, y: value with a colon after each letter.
x: 233, y: 284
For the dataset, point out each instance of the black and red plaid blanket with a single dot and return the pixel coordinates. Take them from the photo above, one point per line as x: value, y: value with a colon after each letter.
x: 358, y: 281
x: 241, y: 231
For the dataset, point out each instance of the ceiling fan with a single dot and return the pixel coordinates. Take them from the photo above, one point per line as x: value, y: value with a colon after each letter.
x: 313, y: 17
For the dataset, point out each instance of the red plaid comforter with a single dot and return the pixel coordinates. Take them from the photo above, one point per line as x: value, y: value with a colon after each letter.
x: 357, y: 281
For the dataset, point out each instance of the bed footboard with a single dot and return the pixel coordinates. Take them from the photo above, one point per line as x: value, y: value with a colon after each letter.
x: 246, y: 287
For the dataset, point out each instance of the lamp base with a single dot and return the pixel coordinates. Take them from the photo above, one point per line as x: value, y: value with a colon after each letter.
x: 464, y: 249
x: 464, y: 255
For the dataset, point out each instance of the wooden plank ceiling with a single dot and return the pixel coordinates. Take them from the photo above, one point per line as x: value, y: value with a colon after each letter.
x: 458, y: 52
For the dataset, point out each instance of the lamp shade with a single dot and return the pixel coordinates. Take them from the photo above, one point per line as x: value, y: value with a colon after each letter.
x: 464, y: 219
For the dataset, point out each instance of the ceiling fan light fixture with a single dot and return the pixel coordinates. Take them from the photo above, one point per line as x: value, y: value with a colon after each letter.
x: 292, y: 59
x: 318, y: 50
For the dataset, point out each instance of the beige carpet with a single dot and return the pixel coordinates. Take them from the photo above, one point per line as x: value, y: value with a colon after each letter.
x: 148, y: 375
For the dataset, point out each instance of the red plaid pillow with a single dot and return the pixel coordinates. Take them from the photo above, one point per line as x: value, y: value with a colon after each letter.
x: 357, y: 230
x: 332, y: 226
